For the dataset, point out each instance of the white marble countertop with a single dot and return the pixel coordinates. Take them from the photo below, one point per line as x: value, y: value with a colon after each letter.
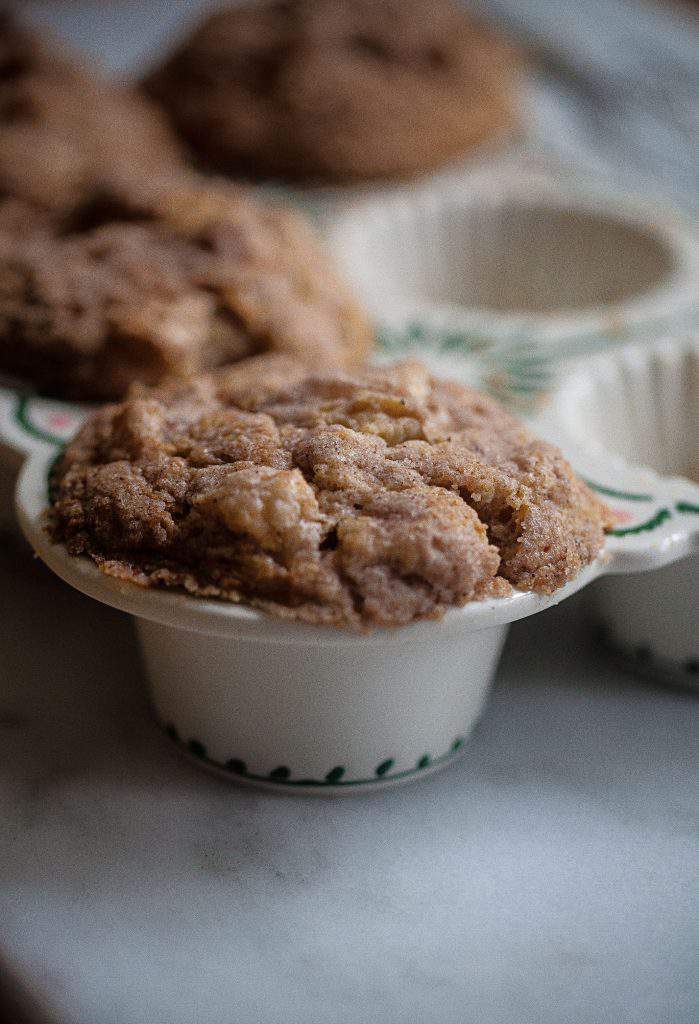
x: 549, y: 877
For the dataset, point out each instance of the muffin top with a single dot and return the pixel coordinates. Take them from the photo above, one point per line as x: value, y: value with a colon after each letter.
x: 143, y: 283
x: 337, y: 90
x: 64, y: 130
x: 362, y: 499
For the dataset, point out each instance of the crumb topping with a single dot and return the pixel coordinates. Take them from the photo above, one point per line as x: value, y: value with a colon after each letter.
x: 362, y: 499
x: 146, y: 283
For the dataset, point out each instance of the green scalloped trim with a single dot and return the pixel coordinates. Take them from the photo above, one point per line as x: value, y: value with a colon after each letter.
x: 610, y: 492
x: 22, y: 420
x: 416, y: 335
x: 660, y: 517
x: 282, y: 775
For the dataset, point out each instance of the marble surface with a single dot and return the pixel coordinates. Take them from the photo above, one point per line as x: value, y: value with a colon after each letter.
x: 550, y: 876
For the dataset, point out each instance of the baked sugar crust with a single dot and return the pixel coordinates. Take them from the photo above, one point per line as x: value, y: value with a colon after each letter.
x: 363, y: 499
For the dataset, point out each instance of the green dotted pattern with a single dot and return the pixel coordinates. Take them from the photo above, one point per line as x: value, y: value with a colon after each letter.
x: 684, y: 672
x: 282, y: 775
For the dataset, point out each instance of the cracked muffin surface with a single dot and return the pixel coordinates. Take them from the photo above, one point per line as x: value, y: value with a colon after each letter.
x: 141, y: 283
x: 364, y: 499
x: 64, y: 129
x: 337, y: 90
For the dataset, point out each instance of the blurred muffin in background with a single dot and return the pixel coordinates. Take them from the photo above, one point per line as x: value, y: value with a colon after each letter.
x: 337, y: 90
x: 63, y: 129
x: 148, y: 282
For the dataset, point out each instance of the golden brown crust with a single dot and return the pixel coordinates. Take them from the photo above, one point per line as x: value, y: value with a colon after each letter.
x: 147, y: 282
x: 367, y: 499
x: 338, y: 90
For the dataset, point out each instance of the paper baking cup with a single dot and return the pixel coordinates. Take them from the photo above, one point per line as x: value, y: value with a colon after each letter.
x: 317, y: 710
x: 509, y: 260
x: 642, y: 404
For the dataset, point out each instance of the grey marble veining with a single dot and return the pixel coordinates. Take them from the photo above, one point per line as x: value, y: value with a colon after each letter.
x: 549, y: 876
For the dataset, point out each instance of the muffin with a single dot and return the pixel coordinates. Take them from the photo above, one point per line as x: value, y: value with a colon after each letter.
x: 63, y: 129
x: 337, y: 90
x: 364, y: 499
x: 142, y: 284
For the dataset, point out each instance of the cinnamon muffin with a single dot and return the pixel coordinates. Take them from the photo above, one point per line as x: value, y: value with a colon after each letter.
x: 356, y: 500
x: 63, y: 129
x: 337, y: 90
x: 146, y: 283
